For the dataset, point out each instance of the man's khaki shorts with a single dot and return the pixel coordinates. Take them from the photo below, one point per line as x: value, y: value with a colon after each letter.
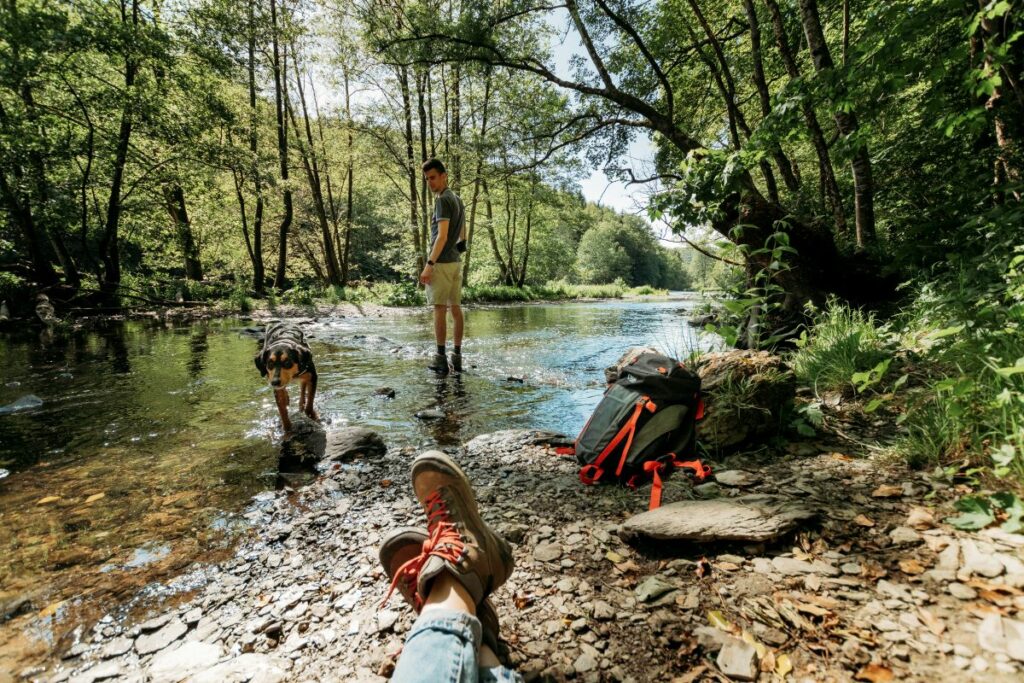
x: 445, y: 288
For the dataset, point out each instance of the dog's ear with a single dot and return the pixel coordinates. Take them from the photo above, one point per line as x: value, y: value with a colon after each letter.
x: 305, y: 359
x: 261, y: 363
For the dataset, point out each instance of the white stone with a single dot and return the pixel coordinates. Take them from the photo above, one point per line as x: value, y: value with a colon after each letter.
x: 173, y: 665
x: 738, y: 660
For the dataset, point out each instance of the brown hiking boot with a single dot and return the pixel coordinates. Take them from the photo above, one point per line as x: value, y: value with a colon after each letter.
x: 399, y: 554
x: 460, y: 541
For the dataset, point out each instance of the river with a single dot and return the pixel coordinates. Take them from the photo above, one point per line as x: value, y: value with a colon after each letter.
x: 152, y: 438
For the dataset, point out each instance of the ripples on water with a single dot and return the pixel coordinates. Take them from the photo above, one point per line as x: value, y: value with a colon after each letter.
x: 150, y: 439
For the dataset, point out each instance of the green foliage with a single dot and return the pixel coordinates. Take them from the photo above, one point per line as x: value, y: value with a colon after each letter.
x: 846, y: 350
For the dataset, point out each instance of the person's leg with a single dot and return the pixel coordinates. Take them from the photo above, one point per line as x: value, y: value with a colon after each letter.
x: 440, y: 324
x: 459, y: 325
x: 443, y: 643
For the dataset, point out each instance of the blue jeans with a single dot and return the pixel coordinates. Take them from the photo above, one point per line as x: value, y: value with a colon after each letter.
x: 442, y: 648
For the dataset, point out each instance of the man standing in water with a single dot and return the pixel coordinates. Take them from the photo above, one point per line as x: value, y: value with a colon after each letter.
x: 442, y: 273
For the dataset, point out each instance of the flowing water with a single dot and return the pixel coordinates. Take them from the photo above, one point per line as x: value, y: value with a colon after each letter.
x: 133, y: 448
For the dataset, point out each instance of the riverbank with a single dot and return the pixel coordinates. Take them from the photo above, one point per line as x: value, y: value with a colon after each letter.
x: 875, y: 586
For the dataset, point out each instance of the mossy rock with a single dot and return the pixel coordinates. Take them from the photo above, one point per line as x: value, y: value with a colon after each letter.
x: 746, y: 394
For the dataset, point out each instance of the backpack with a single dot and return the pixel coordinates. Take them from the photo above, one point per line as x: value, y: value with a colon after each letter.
x: 643, y: 427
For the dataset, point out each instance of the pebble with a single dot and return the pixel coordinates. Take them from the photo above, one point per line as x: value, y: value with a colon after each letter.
x: 961, y: 592
x: 547, y: 552
x: 738, y: 660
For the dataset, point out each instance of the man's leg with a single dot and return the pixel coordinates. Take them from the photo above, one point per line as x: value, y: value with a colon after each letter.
x: 460, y: 323
x: 440, y: 324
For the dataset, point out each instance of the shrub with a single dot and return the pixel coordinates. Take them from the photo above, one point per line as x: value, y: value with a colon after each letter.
x: 844, y: 341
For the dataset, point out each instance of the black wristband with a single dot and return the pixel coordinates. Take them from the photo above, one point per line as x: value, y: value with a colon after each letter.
x: 429, y: 262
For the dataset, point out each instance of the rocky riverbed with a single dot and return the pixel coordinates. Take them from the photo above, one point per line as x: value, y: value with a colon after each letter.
x: 864, y: 582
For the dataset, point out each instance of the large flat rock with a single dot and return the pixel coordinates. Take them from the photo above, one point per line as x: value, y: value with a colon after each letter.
x: 746, y: 518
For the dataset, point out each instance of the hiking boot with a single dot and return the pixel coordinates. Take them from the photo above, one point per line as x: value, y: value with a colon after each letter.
x: 460, y: 541
x: 400, y: 553
x: 455, y: 360
x: 438, y: 363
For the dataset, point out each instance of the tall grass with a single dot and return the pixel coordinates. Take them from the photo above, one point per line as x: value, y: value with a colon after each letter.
x: 844, y: 341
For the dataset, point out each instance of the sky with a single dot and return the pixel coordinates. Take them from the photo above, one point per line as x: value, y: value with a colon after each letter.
x: 598, y: 188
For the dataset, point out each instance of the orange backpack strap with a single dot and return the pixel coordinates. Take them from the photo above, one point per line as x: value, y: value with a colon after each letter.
x: 699, y: 470
x: 565, y: 450
x: 654, y: 467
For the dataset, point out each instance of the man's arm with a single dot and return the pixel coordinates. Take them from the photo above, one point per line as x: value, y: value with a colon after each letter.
x: 435, y: 251
x: 442, y: 239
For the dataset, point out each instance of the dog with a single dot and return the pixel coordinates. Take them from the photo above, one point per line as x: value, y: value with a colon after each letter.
x: 286, y: 357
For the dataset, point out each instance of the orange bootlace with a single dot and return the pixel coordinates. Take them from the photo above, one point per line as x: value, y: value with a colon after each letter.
x: 444, y: 541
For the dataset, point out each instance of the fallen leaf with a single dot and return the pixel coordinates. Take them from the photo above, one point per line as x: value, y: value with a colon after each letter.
x: 841, y: 456
x: 911, y: 566
x: 51, y: 609
x: 783, y: 666
x: 47, y: 500
x: 982, y: 610
x: 626, y: 567
x: 887, y: 491
x: 996, y: 598
x: 768, y: 662
x: 522, y: 601
x: 810, y: 609
x: 613, y: 557
x: 384, y: 483
x: 998, y: 587
x: 872, y: 570
x: 748, y: 637
x: 920, y: 518
x: 863, y: 520
x: 934, y: 624
x: 716, y: 619
x: 874, y: 673
x: 94, y: 497
x: 727, y: 566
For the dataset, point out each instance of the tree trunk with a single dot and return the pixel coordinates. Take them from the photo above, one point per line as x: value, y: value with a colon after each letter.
x: 109, y: 252
x: 42, y: 269
x: 783, y: 163
x: 421, y: 80
x: 476, y: 176
x: 1006, y: 170
x: 722, y: 75
x: 307, y: 151
x: 826, y: 173
x: 350, y: 178
x: 863, y: 186
x: 502, y: 268
x: 174, y: 198
x: 526, y: 238
x: 280, y: 84
x: 411, y: 170
x: 256, y: 252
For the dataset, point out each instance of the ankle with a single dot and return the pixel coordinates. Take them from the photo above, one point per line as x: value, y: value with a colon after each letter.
x: 447, y: 593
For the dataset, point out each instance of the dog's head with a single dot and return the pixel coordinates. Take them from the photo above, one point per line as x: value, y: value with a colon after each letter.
x: 283, y: 362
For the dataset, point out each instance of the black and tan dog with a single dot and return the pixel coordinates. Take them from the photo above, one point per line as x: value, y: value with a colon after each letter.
x: 285, y: 356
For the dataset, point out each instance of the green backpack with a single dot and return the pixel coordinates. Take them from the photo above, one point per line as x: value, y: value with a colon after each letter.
x: 644, y: 427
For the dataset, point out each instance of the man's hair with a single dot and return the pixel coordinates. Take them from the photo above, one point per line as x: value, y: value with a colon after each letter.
x: 433, y: 164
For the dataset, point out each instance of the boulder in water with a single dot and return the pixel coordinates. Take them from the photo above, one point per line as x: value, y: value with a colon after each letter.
x: 24, y: 403
x: 353, y: 442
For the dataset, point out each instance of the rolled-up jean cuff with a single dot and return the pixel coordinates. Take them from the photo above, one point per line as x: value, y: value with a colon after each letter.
x: 460, y: 624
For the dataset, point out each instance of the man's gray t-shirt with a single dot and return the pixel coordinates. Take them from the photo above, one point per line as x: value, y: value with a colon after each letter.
x: 448, y: 207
